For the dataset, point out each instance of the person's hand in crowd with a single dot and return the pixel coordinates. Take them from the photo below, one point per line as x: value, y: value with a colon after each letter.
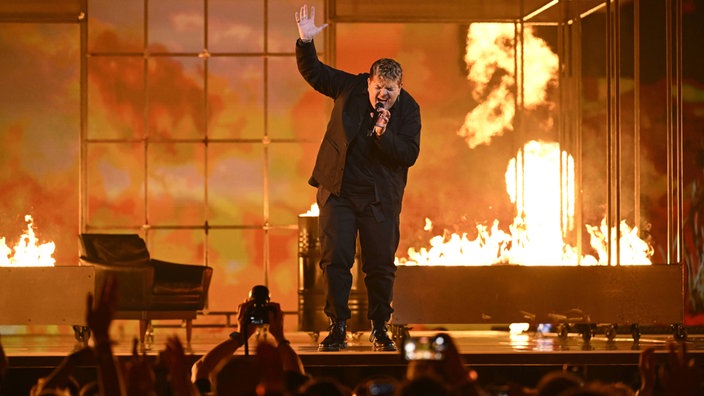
x: 290, y: 360
x: 648, y: 372
x: 174, y: 357
x: 60, y: 378
x: 272, y: 368
x: 206, y: 365
x: 681, y: 375
x: 99, y: 314
x: 451, y: 368
x: 276, y: 322
x: 453, y: 365
x: 139, y: 373
x: 100, y: 311
x: 306, y: 24
x: 244, y: 323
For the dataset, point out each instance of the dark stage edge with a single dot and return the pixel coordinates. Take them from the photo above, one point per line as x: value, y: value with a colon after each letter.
x: 497, y: 356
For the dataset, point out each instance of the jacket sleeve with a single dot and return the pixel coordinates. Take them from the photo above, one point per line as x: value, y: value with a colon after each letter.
x: 401, y: 141
x: 323, y: 78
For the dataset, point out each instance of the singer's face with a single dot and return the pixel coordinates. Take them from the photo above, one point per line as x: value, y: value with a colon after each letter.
x: 383, y: 90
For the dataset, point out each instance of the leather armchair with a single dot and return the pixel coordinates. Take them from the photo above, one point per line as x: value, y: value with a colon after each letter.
x: 148, y: 289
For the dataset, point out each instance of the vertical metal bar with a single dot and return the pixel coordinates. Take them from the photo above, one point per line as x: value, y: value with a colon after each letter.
x: 520, y: 163
x: 83, y: 133
x: 206, y: 109
x: 617, y: 129
x: 577, y: 124
x: 609, y: 129
x: 669, y: 132
x: 636, y: 112
x: 563, y: 114
x: 145, y: 65
x: 265, y: 146
x: 561, y: 51
x: 520, y: 86
x: 519, y: 103
x: 679, y: 134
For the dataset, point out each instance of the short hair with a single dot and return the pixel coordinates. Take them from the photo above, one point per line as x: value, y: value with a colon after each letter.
x: 556, y: 382
x: 387, y: 69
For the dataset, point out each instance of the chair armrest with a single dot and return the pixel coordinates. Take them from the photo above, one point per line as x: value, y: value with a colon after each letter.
x: 134, y: 283
x: 182, y: 279
x: 165, y: 271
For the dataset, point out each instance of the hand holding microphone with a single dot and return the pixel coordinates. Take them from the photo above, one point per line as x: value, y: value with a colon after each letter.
x: 379, y: 115
x: 380, y: 119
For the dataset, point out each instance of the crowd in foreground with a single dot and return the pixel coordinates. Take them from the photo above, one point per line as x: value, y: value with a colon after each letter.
x: 273, y: 368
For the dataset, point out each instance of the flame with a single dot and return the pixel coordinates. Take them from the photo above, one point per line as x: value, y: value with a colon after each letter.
x: 27, y: 251
x: 540, y: 182
x: 314, y: 211
x: 631, y: 249
x: 544, y: 203
x: 492, y: 56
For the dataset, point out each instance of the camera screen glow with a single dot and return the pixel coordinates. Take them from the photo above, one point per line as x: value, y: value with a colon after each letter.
x: 424, y: 348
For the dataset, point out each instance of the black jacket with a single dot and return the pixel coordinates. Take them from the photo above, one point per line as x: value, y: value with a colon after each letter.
x: 394, y: 152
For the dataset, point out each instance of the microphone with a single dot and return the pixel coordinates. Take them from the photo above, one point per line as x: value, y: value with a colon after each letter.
x: 375, y: 118
x: 377, y: 111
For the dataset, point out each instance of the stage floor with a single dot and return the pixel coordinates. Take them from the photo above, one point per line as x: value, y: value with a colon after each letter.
x: 497, y: 355
x: 478, y: 347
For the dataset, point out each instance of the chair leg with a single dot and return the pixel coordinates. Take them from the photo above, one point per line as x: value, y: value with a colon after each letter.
x: 145, y: 339
x: 142, y: 331
x: 189, y: 331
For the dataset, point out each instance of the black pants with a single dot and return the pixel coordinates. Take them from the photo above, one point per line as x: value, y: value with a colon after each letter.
x: 341, y: 218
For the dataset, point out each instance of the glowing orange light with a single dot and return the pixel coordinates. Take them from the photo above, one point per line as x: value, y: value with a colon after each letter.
x: 492, y: 56
x: 27, y: 252
x: 540, y: 182
x: 539, y: 179
x: 313, y: 211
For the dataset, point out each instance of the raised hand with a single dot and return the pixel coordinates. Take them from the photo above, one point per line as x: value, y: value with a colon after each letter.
x: 681, y: 375
x: 648, y: 372
x: 139, y: 373
x: 100, y: 310
x: 306, y: 24
x: 175, y: 359
x: 245, y: 326
x: 98, y: 319
x: 276, y: 321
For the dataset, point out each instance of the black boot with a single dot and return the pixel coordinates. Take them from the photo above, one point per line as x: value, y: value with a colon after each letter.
x: 337, y: 337
x: 380, y: 338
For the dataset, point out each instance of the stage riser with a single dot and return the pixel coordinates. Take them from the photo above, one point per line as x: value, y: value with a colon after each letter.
x: 45, y: 295
x: 547, y: 294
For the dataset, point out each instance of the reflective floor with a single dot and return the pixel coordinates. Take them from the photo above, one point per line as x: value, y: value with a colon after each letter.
x: 482, y: 346
x: 497, y: 355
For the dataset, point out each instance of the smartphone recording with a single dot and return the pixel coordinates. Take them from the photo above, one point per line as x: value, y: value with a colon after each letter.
x: 424, y: 348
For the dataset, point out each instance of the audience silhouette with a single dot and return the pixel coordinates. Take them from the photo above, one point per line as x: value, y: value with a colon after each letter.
x: 275, y: 369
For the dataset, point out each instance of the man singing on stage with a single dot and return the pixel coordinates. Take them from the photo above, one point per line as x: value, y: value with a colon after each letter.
x: 371, y: 140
